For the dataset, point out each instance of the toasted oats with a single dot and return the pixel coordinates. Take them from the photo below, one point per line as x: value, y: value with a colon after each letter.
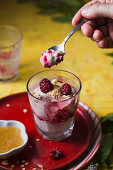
x: 37, y: 140
x: 40, y: 165
x: 13, y: 165
x: 33, y: 93
x: 34, y: 169
x: 93, y: 166
x: 26, y: 163
x: 23, y: 161
x: 25, y: 110
x: 23, y: 168
x: 4, y: 162
x: 30, y: 146
x: 7, y: 105
x: 21, y: 165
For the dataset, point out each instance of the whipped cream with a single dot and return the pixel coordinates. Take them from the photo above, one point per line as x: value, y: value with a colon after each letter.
x: 51, y: 57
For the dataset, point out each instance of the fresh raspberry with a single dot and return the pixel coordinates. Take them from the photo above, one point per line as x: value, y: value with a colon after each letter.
x: 45, y: 58
x: 56, y: 154
x: 49, y: 51
x: 65, y: 89
x: 45, y: 85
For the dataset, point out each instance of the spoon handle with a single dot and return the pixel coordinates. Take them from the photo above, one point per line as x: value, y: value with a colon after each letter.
x: 75, y: 29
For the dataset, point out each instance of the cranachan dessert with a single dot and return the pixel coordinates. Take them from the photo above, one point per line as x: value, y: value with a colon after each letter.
x: 54, y: 105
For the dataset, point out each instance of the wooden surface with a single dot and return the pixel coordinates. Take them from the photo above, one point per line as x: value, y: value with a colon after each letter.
x: 91, y: 64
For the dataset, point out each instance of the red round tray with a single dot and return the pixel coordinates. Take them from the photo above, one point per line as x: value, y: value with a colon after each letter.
x: 37, y: 152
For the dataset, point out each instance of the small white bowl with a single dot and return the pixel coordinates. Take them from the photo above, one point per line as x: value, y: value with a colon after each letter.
x: 24, y: 136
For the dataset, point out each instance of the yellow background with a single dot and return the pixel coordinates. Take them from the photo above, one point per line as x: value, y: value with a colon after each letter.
x: 83, y: 57
x: 91, y: 64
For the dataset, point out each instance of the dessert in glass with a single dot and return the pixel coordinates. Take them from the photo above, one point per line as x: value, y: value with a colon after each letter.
x: 10, y: 52
x: 54, y: 97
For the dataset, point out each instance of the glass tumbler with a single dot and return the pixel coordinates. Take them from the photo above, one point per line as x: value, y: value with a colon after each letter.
x: 10, y: 52
x: 54, y: 120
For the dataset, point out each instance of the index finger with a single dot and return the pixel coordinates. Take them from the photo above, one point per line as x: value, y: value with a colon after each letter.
x: 76, y: 19
x: 78, y: 16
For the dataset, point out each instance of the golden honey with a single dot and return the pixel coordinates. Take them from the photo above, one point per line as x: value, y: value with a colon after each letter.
x: 10, y: 137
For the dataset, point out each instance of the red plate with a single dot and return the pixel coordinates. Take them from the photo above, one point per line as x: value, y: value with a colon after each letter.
x: 37, y: 152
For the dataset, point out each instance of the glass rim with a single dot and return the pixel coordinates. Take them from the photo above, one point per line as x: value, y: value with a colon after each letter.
x: 54, y: 70
x: 16, y: 42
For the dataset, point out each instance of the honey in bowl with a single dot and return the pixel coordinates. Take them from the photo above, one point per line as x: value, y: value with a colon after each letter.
x: 10, y: 137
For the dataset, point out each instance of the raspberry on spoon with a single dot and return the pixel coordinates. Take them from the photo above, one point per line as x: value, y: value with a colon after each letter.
x: 45, y: 85
x: 65, y: 89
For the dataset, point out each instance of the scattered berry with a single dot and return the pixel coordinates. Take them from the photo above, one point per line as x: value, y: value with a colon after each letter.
x: 45, y: 85
x: 56, y: 154
x: 65, y: 89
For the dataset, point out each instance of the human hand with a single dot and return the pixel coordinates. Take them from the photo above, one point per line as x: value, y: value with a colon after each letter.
x: 100, y: 26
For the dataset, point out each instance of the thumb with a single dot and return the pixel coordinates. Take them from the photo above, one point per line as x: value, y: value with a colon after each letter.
x: 98, y: 10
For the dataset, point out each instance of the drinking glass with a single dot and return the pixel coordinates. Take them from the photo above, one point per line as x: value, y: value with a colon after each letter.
x: 10, y: 52
x: 54, y: 120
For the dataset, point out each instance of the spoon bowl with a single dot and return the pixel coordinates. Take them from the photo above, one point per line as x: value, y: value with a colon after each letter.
x: 60, y: 48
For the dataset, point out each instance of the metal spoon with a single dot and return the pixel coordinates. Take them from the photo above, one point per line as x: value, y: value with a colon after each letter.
x: 61, y: 47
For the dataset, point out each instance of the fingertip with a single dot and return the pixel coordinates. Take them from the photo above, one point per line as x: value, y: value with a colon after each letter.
x: 87, y: 30
x: 73, y: 22
x: 85, y: 12
x: 76, y: 19
x: 102, y: 43
x: 97, y: 35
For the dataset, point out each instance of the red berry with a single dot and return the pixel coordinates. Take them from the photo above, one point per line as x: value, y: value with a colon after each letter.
x: 45, y: 85
x: 56, y: 154
x: 45, y: 58
x: 65, y: 89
